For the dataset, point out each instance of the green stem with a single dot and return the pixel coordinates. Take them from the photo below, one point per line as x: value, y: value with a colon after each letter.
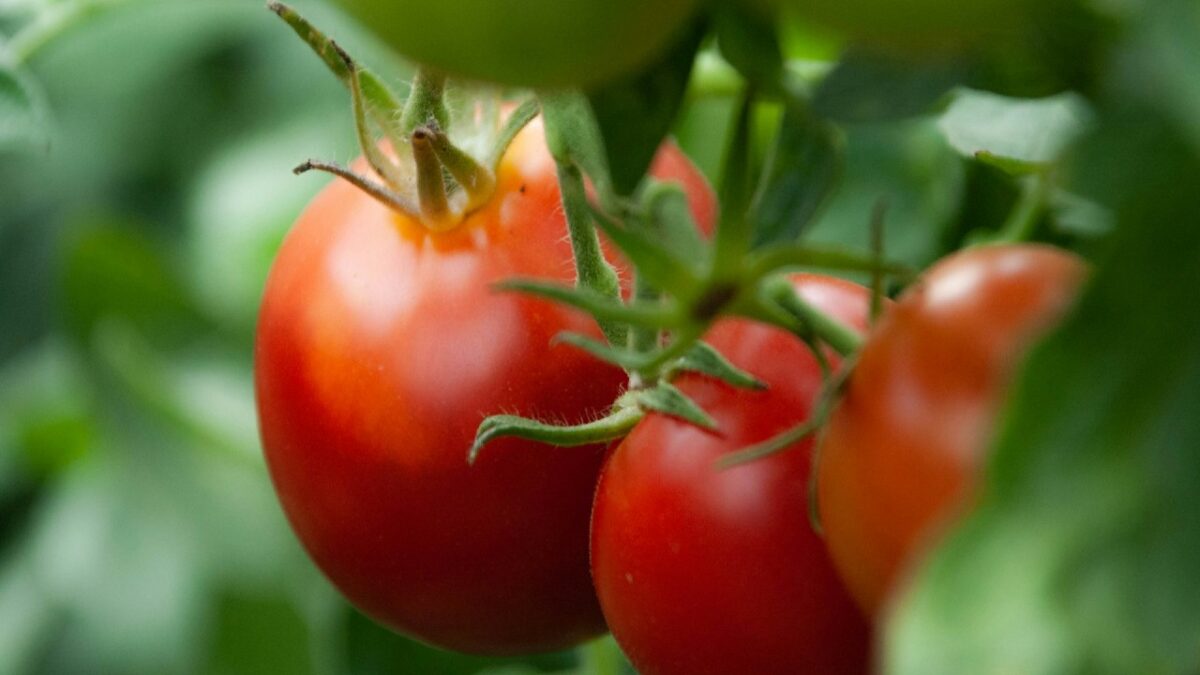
x: 733, y: 231
x: 381, y: 103
x: 431, y: 186
x: 878, y: 217
x: 477, y: 181
x: 614, y: 426
x: 50, y: 24
x: 382, y: 193
x: 426, y: 102
x: 381, y: 163
x: 1024, y: 217
x: 643, y: 339
x: 843, y: 339
x: 773, y: 259
x: 592, y: 271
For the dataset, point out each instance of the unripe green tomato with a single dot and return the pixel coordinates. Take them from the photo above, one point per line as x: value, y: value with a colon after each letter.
x: 916, y: 28
x: 531, y: 43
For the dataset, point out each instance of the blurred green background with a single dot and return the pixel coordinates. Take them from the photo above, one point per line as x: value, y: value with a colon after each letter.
x: 140, y: 207
x: 138, y: 529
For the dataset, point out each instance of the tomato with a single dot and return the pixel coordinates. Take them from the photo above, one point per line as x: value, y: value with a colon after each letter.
x: 916, y: 27
x: 903, y: 450
x: 702, y: 570
x: 529, y: 43
x: 380, y: 348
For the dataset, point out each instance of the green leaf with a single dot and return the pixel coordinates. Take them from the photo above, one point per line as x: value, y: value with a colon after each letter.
x: 669, y: 216
x: 370, y: 649
x: 867, y: 88
x: 749, y: 41
x: 736, y: 191
x: 115, y: 272
x: 634, y: 114
x: 703, y: 358
x: 1082, y: 553
x: 1168, y: 38
x: 909, y: 165
x: 22, y: 112
x: 246, y: 621
x: 802, y: 171
x: 668, y: 400
x: 1017, y: 135
x: 1079, y: 216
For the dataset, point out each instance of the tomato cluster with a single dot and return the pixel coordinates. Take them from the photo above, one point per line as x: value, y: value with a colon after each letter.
x: 382, y: 345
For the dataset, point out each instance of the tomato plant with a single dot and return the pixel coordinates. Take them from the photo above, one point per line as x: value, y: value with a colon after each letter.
x: 708, y: 570
x: 535, y: 43
x: 903, y: 449
x: 380, y: 347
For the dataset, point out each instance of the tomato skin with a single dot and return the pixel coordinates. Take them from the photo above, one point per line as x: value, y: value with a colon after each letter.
x: 380, y: 348
x: 701, y: 570
x: 528, y: 43
x: 902, y: 452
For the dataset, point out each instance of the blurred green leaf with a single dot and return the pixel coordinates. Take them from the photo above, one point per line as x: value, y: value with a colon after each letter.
x: 249, y: 631
x: 1076, y: 215
x: 749, y: 40
x: 116, y: 273
x: 119, y: 570
x: 1081, y: 556
x: 45, y: 409
x: 864, y: 87
x: 1017, y: 135
x: 373, y: 650
x: 24, y: 613
x: 1167, y: 41
x: 909, y: 166
x: 233, y: 233
x: 22, y: 112
x: 801, y: 173
x: 634, y: 114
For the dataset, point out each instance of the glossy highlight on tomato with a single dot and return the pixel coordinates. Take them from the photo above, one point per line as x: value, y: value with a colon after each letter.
x: 380, y: 348
x: 902, y: 452
x: 528, y: 43
x: 701, y: 570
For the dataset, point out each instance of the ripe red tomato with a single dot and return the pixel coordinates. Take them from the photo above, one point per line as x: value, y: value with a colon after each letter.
x: 701, y: 570
x: 902, y: 451
x: 380, y: 348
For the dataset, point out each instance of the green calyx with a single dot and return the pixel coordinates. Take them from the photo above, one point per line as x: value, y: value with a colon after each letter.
x: 416, y: 168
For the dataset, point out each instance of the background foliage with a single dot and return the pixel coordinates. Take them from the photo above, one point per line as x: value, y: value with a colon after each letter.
x: 145, y: 156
